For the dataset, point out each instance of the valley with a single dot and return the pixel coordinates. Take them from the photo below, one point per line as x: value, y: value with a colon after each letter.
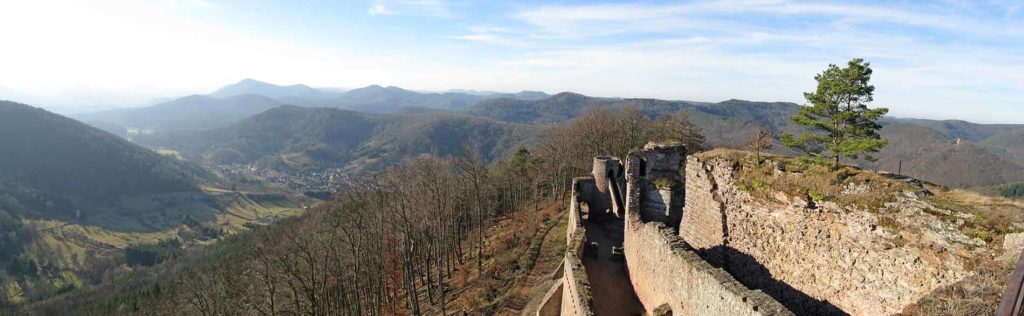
x: 577, y: 158
x: 267, y: 169
x: 263, y: 172
x: 72, y: 207
x: 300, y: 138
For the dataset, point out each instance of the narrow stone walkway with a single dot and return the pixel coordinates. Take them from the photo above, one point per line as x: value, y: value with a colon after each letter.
x: 610, y: 286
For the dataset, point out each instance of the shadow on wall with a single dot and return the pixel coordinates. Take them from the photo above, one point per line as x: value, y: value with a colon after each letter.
x: 754, y: 275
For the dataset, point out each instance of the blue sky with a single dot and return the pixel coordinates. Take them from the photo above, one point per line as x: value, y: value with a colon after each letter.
x: 932, y: 59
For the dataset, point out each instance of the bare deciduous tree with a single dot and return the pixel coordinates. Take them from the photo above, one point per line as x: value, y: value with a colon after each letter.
x: 760, y: 141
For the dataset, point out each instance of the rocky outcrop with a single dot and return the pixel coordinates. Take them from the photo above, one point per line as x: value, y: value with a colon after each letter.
x: 1013, y: 245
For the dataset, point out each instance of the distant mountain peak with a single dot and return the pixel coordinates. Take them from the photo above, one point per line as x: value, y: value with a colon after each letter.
x: 192, y: 97
x: 250, y: 81
x: 567, y: 95
x: 253, y: 86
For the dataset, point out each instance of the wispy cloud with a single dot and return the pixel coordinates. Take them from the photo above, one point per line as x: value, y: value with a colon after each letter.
x: 931, y: 58
x: 496, y: 35
x: 197, y: 3
x: 925, y: 56
x: 434, y: 8
x: 476, y: 37
x: 595, y: 20
x: 380, y: 9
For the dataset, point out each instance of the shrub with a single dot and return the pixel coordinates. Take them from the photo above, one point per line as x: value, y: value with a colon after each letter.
x: 815, y: 196
x: 1013, y: 191
x: 665, y: 183
x: 979, y: 234
x: 23, y: 266
x: 151, y: 254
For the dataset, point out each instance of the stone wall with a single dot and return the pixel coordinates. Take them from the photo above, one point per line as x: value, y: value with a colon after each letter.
x: 576, y: 299
x: 654, y: 165
x: 822, y: 260
x: 664, y: 270
x: 702, y: 225
x: 575, y: 287
x: 584, y: 190
x: 607, y: 172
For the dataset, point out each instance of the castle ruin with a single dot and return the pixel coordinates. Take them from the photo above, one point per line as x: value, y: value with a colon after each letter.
x: 666, y: 234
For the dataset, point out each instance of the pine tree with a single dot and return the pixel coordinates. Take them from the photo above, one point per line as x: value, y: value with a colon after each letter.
x: 838, y: 120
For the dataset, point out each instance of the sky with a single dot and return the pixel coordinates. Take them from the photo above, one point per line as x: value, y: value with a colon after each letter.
x: 957, y: 59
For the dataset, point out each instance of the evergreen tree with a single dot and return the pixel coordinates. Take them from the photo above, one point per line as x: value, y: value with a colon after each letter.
x: 838, y: 120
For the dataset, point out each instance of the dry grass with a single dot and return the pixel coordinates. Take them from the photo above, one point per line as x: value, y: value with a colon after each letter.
x: 978, y: 216
x: 811, y: 180
x: 815, y: 181
x: 993, y: 216
x: 974, y: 295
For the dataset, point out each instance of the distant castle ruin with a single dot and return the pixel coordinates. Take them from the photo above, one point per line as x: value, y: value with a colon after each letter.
x: 666, y: 234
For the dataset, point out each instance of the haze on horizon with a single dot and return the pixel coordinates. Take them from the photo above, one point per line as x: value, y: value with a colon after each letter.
x: 941, y: 60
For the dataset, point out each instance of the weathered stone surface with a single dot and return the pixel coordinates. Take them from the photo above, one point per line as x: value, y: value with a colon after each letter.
x: 824, y: 260
x: 656, y: 163
x: 583, y: 190
x: 1013, y: 244
x: 576, y: 299
x: 664, y: 270
x: 702, y: 225
x: 605, y: 170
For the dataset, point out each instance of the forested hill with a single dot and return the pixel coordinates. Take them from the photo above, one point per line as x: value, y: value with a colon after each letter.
x: 494, y: 125
x: 952, y: 153
x: 941, y: 156
x: 53, y: 159
x: 488, y: 227
x: 292, y: 138
x: 191, y: 112
x: 234, y: 102
x: 78, y: 204
x: 250, y: 86
x: 728, y: 123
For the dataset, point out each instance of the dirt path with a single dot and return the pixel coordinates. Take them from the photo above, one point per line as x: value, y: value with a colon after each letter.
x: 547, y: 273
x: 610, y: 286
x: 530, y: 289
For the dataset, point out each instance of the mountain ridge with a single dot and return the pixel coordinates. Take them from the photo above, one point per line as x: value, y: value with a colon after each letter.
x: 726, y: 124
x: 232, y: 103
x: 189, y: 112
x: 293, y: 137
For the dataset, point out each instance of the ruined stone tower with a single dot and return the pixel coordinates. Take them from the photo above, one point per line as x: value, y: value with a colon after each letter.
x: 608, y: 178
x: 655, y: 186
